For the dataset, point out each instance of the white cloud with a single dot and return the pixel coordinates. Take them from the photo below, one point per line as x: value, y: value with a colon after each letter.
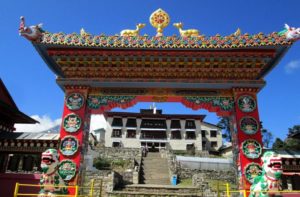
x: 97, y: 122
x: 292, y: 66
x: 45, y: 123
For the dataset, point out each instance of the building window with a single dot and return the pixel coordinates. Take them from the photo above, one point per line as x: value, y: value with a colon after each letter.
x: 213, y: 133
x: 203, y: 133
x: 131, y: 133
x: 190, y: 124
x: 175, y: 135
x: 116, y: 144
x: 190, y: 135
x: 203, y: 145
x: 214, y: 144
x: 116, y: 133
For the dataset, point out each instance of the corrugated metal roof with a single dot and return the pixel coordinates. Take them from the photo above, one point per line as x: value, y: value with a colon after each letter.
x: 29, y: 136
x: 203, y: 159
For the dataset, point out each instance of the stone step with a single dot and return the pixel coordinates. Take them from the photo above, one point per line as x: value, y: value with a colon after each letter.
x: 160, y: 189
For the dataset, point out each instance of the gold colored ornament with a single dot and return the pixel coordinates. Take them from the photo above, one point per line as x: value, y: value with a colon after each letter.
x: 133, y: 32
x: 187, y: 32
x: 159, y: 20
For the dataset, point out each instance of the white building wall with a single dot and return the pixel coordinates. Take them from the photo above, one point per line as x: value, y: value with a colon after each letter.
x: 175, y: 144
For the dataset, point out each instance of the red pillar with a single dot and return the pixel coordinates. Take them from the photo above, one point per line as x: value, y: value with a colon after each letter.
x: 72, y: 132
x: 248, y: 134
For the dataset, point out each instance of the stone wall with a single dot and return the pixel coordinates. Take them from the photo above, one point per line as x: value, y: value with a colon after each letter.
x: 198, y: 175
x: 118, y: 153
x: 128, y: 174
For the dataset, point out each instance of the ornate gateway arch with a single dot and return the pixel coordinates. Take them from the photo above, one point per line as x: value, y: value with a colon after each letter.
x: 222, y: 74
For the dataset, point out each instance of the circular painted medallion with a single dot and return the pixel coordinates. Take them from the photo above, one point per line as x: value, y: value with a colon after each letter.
x: 249, y: 125
x: 246, y: 103
x: 69, y: 145
x: 72, y: 123
x: 252, y: 170
x: 74, y: 101
x: 67, y: 169
x: 251, y: 149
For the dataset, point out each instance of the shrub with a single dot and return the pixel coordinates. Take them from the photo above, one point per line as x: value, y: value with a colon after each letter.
x: 101, y: 163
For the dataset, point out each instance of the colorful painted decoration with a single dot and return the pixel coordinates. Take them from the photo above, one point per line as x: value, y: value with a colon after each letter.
x: 225, y: 103
x: 249, y: 125
x: 74, y: 101
x: 200, y: 42
x: 246, y: 103
x: 251, y: 149
x: 69, y: 145
x: 95, y: 102
x: 67, y: 169
x: 270, y: 179
x: 291, y: 33
x: 252, y: 170
x: 72, y: 123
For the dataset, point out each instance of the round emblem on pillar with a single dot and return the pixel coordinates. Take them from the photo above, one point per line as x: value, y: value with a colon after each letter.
x: 69, y: 145
x: 74, y: 101
x: 249, y: 125
x: 251, y: 149
x: 246, y: 103
x: 252, y: 170
x: 72, y: 123
x: 67, y: 169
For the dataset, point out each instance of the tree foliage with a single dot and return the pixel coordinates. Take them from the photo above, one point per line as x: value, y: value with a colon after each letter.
x: 292, y: 142
x: 224, y: 123
x: 267, y: 137
x: 279, y: 144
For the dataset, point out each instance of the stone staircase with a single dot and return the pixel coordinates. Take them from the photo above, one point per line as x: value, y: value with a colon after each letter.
x: 155, y: 170
x: 142, y: 190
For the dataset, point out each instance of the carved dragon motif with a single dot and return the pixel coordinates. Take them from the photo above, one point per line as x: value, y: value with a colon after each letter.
x: 186, y: 33
x: 51, y: 182
x: 32, y: 33
x: 270, y: 180
x: 291, y: 33
x: 133, y: 32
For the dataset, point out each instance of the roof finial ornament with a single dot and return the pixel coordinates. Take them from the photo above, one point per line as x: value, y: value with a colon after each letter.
x: 83, y: 33
x: 186, y: 33
x: 133, y: 32
x: 159, y: 19
x: 32, y: 33
x: 237, y: 32
x: 291, y: 33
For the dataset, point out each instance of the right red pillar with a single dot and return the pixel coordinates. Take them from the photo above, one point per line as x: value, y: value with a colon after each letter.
x: 248, y: 135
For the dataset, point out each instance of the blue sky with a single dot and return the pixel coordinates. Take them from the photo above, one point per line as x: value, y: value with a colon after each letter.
x: 33, y: 86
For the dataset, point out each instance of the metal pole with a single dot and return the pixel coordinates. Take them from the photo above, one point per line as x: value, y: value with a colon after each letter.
x: 227, y: 190
x: 218, y: 189
x: 92, y: 188
x: 100, y: 193
x: 16, y: 189
x: 245, y: 193
x: 76, y: 191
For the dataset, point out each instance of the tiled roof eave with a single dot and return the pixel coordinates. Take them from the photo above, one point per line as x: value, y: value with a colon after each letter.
x: 169, y: 42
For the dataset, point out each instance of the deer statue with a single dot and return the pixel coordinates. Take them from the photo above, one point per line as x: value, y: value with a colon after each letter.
x: 133, y: 32
x: 186, y: 33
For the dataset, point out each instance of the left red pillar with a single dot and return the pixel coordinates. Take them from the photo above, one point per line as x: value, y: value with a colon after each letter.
x: 72, y: 132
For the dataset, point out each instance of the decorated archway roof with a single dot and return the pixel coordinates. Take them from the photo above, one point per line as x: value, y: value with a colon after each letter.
x: 189, y: 60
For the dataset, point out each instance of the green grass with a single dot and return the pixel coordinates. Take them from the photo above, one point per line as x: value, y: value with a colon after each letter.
x: 186, y: 182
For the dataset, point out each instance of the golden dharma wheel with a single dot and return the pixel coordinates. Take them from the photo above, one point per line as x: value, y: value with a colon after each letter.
x: 159, y: 19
